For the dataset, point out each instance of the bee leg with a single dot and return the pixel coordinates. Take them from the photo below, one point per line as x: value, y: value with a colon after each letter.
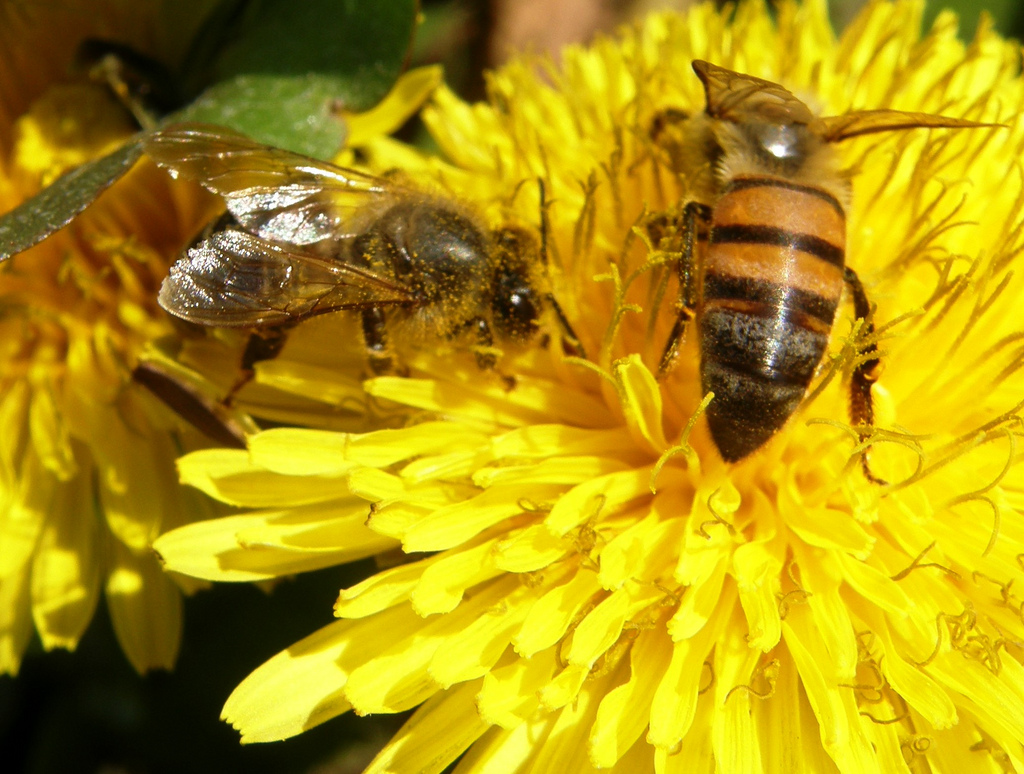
x: 664, y: 119
x: 263, y: 344
x: 668, y: 135
x: 486, y: 359
x: 695, y: 218
x: 205, y: 413
x: 862, y: 412
x: 375, y: 336
x: 571, y: 343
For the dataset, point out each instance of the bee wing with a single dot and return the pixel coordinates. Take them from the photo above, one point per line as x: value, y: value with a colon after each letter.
x: 837, y: 128
x: 273, y: 193
x: 236, y: 279
x: 739, y: 98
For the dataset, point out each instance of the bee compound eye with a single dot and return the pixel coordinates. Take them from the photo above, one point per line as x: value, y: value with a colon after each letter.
x: 516, y: 311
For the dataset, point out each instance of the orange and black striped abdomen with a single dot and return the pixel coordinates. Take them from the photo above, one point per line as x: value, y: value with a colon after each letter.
x: 773, y: 276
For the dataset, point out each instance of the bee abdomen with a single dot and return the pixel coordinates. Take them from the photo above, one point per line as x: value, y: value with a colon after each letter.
x: 759, y: 366
x: 772, y: 281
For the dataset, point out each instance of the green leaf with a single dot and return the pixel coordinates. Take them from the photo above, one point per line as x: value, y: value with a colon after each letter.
x: 287, y: 70
x: 1006, y: 14
x: 293, y: 64
x: 57, y: 204
x: 287, y: 112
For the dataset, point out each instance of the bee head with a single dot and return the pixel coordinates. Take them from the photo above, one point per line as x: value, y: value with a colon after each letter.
x: 515, y: 300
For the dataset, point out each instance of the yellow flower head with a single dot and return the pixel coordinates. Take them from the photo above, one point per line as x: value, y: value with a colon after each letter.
x: 586, y: 583
x: 87, y: 476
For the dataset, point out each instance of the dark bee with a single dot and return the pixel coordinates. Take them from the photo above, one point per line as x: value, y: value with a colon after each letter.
x: 303, y: 238
x: 764, y: 243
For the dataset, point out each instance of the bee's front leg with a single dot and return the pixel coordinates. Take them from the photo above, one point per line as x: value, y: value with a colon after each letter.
x: 486, y: 359
x: 693, y: 228
x: 485, y: 352
x: 378, y: 349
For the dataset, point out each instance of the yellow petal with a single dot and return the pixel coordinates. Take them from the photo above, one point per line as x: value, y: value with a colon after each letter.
x: 530, y: 549
x: 734, y: 736
x: 442, y: 585
x: 66, y: 568
x: 565, y: 688
x: 560, y: 470
x: 15, y: 620
x: 625, y: 556
x: 701, y: 598
x: 297, y: 451
x: 26, y: 502
x: 625, y: 712
x: 510, y: 694
x: 757, y: 567
x: 228, y: 475
x: 601, y: 627
x: 835, y: 707
x: 549, y: 440
x: 641, y: 402
x: 828, y: 528
x: 434, y: 736
x: 553, y: 612
x: 565, y: 748
x: 873, y: 585
x: 382, y: 590
x: 674, y: 705
x: 527, y: 403
x: 605, y: 493
x: 406, y: 96
x: 303, y: 686
x: 822, y: 580
x: 997, y: 693
x: 266, y: 545
x: 455, y: 524
x: 921, y: 692
x: 471, y: 652
x: 50, y: 434
x: 145, y: 609
x: 695, y: 754
x: 500, y: 751
x: 133, y: 477
x: 398, y: 678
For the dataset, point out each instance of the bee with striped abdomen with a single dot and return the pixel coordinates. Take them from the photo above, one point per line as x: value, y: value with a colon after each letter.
x: 763, y: 249
x: 302, y: 238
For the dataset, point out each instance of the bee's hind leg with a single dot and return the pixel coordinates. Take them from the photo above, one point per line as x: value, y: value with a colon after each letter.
x: 865, y: 374
x: 263, y: 344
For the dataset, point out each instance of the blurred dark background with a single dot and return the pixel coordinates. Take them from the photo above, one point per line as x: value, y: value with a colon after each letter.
x: 89, y: 712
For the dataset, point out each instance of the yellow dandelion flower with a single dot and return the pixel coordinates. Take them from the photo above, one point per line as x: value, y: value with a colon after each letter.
x: 87, y: 476
x: 585, y: 583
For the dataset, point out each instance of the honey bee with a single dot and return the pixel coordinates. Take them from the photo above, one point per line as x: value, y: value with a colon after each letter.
x: 763, y: 241
x: 302, y: 238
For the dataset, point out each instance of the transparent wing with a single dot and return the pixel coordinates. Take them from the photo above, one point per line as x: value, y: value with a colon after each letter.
x: 273, y: 193
x: 739, y: 98
x: 236, y: 279
x: 837, y: 128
